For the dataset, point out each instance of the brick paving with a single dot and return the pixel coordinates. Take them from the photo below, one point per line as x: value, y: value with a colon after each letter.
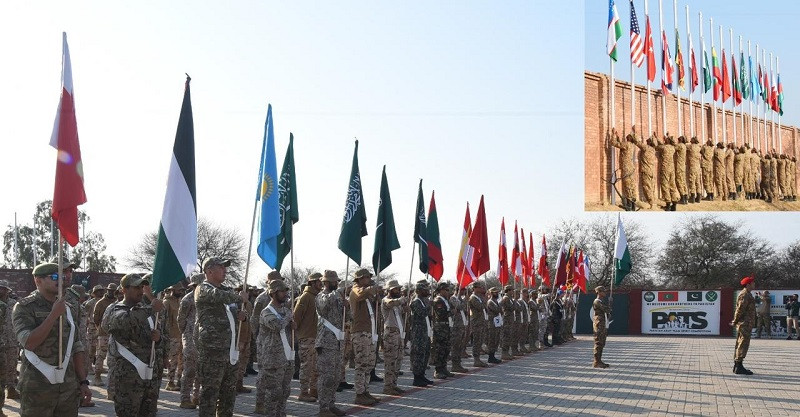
x: 653, y: 376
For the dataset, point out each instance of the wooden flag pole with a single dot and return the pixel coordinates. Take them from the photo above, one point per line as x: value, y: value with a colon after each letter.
x: 60, y: 296
x: 714, y: 101
x: 247, y: 264
x: 679, y: 132
x: 649, y: 110
x: 733, y: 90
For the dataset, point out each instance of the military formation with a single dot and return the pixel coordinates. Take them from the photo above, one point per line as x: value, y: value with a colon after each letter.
x: 689, y: 171
x: 199, y: 336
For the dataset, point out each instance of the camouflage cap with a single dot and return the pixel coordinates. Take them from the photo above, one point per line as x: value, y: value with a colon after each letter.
x: 111, y: 286
x: 97, y: 288
x: 314, y: 277
x: 422, y: 285
x: 78, y: 288
x: 443, y: 286
x: 45, y: 269
x: 508, y: 288
x: 330, y: 276
x: 600, y: 288
x: 132, y: 280
x: 211, y: 261
x: 362, y: 273
x: 197, y: 279
x: 494, y: 290
x: 393, y: 283
x: 479, y: 284
x: 148, y: 277
x: 274, y: 276
x: 277, y: 285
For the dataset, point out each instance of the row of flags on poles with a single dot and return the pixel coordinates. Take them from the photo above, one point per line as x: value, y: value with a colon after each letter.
x: 748, y: 81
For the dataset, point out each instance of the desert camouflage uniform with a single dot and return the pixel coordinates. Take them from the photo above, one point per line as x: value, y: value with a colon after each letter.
x: 669, y: 192
x: 626, y: 154
x: 744, y: 318
x: 763, y: 318
x: 392, y: 308
x: 102, y: 336
x: 601, y: 309
x: 305, y: 314
x: 190, y: 385
x: 694, y: 173
x: 457, y: 341
x: 330, y: 305
x: 245, y: 330
x: 275, y: 369
x: 707, y: 152
x: 680, y: 168
x: 720, y: 182
x: 493, y: 335
x: 174, y: 352
x: 478, y: 324
x: 91, y: 333
x: 361, y: 335
x: 729, y: 171
x: 647, y: 170
x: 509, y: 325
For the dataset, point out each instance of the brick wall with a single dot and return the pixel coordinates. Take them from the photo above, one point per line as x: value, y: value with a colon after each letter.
x: 597, y: 110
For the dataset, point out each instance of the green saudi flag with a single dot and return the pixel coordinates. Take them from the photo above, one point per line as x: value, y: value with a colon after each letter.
x: 176, y: 247
x: 622, y: 256
x: 354, y: 221
x: 421, y: 231
x: 287, y: 202
x: 385, y: 233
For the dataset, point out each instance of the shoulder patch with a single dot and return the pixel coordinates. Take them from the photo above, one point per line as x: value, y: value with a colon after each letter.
x: 27, y: 300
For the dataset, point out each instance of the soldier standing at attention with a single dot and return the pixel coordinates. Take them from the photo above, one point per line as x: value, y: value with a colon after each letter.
x: 275, y: 355
x: 46, y: 391
x: 244, y: 337
x: 479, y: 320
x: 102, y: 337
x: 729, y: 171
x: 330, y: 307
x: 739, y: 158
x: 680, y: 169
x: 364, y: 333
x: 130, y: 323
x: 755, y: 174
x: 524, y: 315
x: 421, y: 333
x: 508, y: 306
x: 393, y: 308
x: 215, y: 339
x: 743, y: 320
x: 91, y: 329
x: 533, y: 325
x: 190, y: 387
x: 544, y: 309
x: 172, y: 303
x: 495, y: 324
x: 305, y: 317
x: 707, y: 152
x: 763, y: 318
x: 626, y: 150
x: 442, y: 319
x: 720, y: 183
x: 601, y: 310
x: 458, y: 307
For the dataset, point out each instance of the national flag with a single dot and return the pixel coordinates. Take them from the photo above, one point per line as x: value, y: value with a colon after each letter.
x: 354, y: 221
x: 743, y: 78
x: 531, y: 269
x: 543, y: 271
x: 464, y: 275
x: 693, y: 65
x: 753, y: 79
x: 774, y: 95
x: 737, y: 89
x: 287, y: 199
x: 765, y: 89
x: 269, y: 226
x: 516, y: 260
x: 176, y: 246
x: 666, y: 65
x: 523, y: 254
x: 385, y: 232
x: 622, y: 256
x: 760, y: 83
x: 581, y: 275
x: 614, y: 30
x: 435, y: 259
x: 715, y: 68
x: 637, y: 48
x: 726, y: 81
x: 570, y: 266
x: 780, y: 95
x: 707, y: 82
x: 68, y: 191
x: 561, y: 266
x: 420, y: 231
x: 649, y: 51
x: 502, y: 257
x: 479, y: 244
x: 694, y: 296
x: 679, y: 61
x: 668, y: 296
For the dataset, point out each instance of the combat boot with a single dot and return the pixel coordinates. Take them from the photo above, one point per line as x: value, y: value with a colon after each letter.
x: 673, y: 207
x: 505, y: 356
x: 738, y: 368
x: 373, y: 377
x: 313, y: 393
x: 493, y: 359
x: 440, y: 374
x: 12, y: 393
x: 625, y: 204
x: 604, y: 365
x: 190, y: 405
x: 364, y: 399
x: 596, y: 364
x: 743, y: 370
x: 376, y: 399
x: 478, y: 363
x: 456, y: 367
x: 428, y: 381
x: 305, y: 397
x: 691, y: 198
x: 419, y: 381
x: 336, y: 411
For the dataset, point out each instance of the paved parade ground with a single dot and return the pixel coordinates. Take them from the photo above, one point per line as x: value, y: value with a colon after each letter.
x: 688, y: 376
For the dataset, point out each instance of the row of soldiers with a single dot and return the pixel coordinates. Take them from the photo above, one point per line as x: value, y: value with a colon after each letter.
x: 690, y: 171
x: 133, y: 337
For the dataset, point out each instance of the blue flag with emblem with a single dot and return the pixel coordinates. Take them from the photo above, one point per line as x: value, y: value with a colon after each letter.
x: 267, y: 199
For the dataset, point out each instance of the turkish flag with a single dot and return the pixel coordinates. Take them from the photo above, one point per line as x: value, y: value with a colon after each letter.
x: 479, y: 244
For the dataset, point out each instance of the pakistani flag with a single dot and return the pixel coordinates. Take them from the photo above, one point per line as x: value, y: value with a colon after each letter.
x: 354, y: 221
x: 176, y: 248
x: 385, y: 233
x: 707, y: 84
x: 614, y: 30
x: 267, y: 197
x: 622, y: 257
x: 421, y: 231
x: 287, y: 201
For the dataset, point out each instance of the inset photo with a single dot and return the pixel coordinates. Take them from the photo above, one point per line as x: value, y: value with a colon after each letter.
x: 684, y: 107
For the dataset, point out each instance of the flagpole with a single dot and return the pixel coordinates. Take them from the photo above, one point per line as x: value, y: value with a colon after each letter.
x: 722, y: 89
x: 291, y: 295
x: 677, y: 69
x: 769, y: 94
x: 733, y: 90
x: 34, y: 246
x: 766, y: 105
x: 704, y: 133
x: 633, y: 73
x: 247, y: 263
x: 663, y: 96
x: 52, y: 235
x: 16, y: 242
x: 410, y: 273
x: 713, y: 68
x: 647, y: 42
x: 691, y: 80
x: 60, y: 296
x: 752, y: 92
x: 742, y: 86
x: 758, y: 100
x: 777, y: 98
x: 613, y: 125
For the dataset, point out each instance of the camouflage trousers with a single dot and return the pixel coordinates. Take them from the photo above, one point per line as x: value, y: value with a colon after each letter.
x: 441, y: 339
x: 244, y: 360
x: 92, y: 346
x: 101, y: 354
x: 174, y: 358
x: 493, y: 338
x: 509, y: 327
x: 276, y: 384
x: 457, y: 343
x: 217, y: 385
x: 40, y: 398
x: 9, y: 368
x: 533, y: 332
x: 522, y: 334
x: 764, y: 321
x: 140, y: 397
x: 110, y: 387
x: 542, y: 329
x: 599, y: 343
x: 392, y: 356
x: 743, y: 332
x: 190, y: 386
x: 478, y: 338
x: 420, y: 352
x: 328, y: 362
x: 364, y: 353
x: 308, y: 364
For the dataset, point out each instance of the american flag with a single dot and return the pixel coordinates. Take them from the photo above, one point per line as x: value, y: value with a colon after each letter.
x: 637, y: 47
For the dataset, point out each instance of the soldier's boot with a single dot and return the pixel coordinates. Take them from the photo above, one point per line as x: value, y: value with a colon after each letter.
x: 440, y: 373
x: 305, y: 397
x: 738, y: 368
x: 189, y: 405
x: 625, y: 204
x: 241, y: 389
x: 505, y: 356
x: 455, y: 366
x: 398, y: 390
x: 313, y: 393
x: 674, y: 207
x: 710, y: 197
x: 344, y: 385
x: 336, y: 411
x: 691, y: 198
x: 744, y: 370
x: 448, y: 373
x: 261, y: 408
x: 373, y: 377
x: 171, y: 386
x: 98, y: 381
x: 364, y: 399
x: 493, y: 359
x: 376, y: 399
x: 604, y: 365
x: 428, y: 381
x: 596, y: 364
x: 478, y: 363
x: 12, y: 393
x: 419, y: 381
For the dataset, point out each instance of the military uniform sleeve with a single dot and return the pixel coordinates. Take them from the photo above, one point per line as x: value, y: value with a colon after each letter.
x: 97, y: 313
x: 740, y: 309
x: 207, y: 293
x: 24, y: 322
x: 183, y: 313
x: 394, y: 302
x: 300, y: 309
x: 270, y: 321
x: 361, y: 293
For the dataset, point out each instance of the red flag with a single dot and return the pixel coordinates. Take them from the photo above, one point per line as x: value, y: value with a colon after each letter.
x: 561, y: 267
x: 737, y: 91
x: 570, y: 267
x: 530, y: 261
x: 581, y: 279
x: 479, y: 244
x: 726, y: 81
x: 68, y: 193
x: 464, y: 254
x: 516, y: 262
x: 695, y: 79
x: 543, y: 271
x: 502, y: 258
x: 435, y: 258
x: 524, y: 259
x: 667, y: 69
x: 651, y: 55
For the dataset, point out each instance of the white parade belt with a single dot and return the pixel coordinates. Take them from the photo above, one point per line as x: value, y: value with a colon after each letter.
x: 287, y: 350
x: 233, y: 353
x: 54, y: 375
x: 400, y: 325
x: 143, y: 369
x: 372, y: 322
x: 336, y: 332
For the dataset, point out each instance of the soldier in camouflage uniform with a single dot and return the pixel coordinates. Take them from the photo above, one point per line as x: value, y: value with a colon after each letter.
x: 669, y: 191
x: 544, y: 314
x: 601, y: 309
x: 243, y: 339
x: 102, y: 337
x: 275, y: 355
x: 394, y: 308
x: 305, y: 315
x: 214, y: 339
x: 495, y: 324
x: 626, y: 151
x: 76, y: 295
x: 680, y: 169
x: 743, y: 319
x: 363, y: 333
x: 763, y: 316
x: 4, y: 312
x: 556, y: 317
x: 707, y: 164
x: 478, y: 321
x: 36, y: 319
x: 421, y: 333
x: 172, y: 303
x: 442, y: 317
x: 330, y: 307
x: 91, y: 328
x: 130, y: 323
x: 508, y: 306
x: 524, y: 322
x: 457, y: 340
x: 694, y: 175
x: 647, y: 169
x: 190, y: 386
x: 9, y: 348
x: 533, y: 326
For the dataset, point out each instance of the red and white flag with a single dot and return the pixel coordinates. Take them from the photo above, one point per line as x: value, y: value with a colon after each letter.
x: 68, y: 192
x: 465, y: 276
x: 516, y: 261
x: 649, y: 51
x: 524, y: 257
x: 502, y: 258
x: 543, y: 271
x: 531, y: 274
x: 479, y: 244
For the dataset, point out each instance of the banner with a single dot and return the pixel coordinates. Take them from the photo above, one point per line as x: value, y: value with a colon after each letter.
x: 778, y: 300
x: 680, y: 312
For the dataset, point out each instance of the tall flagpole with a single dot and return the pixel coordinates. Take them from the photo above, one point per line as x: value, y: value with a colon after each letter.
x: 758, y: 100
x: 778, y: 92
x: 633, y: 84
x: 247, y: 263
x: 742, y: 86
x: 733, y: 90
x: 766, y: 104
x: 704, y: 133
x: 713, y: 68
x: 677, y: 70
x: 769, y: 94
x: 34, y: 245
x: 663, y: 96
x: 647, y: 41
x: 613, y: 125
x: 752, y: 91
x: 722, y: 88
x: 689, y: 66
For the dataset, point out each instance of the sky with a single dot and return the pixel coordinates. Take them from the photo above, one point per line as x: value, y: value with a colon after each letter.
x: 474, y: 98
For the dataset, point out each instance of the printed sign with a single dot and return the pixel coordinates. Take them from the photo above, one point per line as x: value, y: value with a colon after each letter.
x: 680, y: 312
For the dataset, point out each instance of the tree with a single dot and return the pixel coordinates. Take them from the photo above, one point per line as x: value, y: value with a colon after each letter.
x: 597, y: 239
x: 212, y: 240
x: 703, y: 252
x: 42, y: 238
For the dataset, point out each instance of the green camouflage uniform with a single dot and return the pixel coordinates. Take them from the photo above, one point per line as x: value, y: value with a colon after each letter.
x: 533, y: 325
x: 601, y: 309
x: 478, y: 324
x: 441, y: 333
x: 458, y: 308
x: 420, y: 342
x: 744, y: 318
x: 190, y: 386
